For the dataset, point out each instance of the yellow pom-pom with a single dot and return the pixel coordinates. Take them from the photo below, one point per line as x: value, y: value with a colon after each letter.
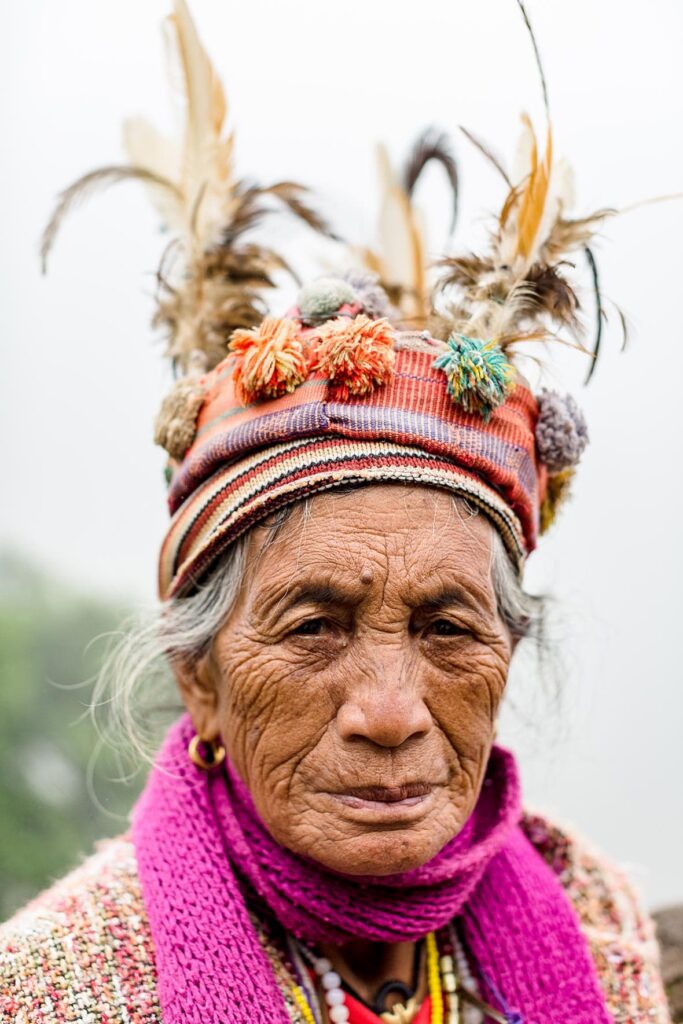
x: 271, y: 359
x: 355, y: 355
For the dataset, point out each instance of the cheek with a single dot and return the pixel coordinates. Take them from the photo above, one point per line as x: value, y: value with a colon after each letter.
x: 464, y: 700
x: 273, y: 713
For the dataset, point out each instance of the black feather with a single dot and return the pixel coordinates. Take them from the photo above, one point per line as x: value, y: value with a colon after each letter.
x: 432, y: 145
x: 599, y: 312
x: 624, y: 326
x: 537, y: 55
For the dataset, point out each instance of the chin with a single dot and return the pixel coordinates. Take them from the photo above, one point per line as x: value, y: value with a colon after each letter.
x: 383, y: 852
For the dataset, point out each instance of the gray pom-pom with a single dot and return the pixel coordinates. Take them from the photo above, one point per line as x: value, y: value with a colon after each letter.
x: 561, y: 431
x: 370, y: 293
x: 323, y: 298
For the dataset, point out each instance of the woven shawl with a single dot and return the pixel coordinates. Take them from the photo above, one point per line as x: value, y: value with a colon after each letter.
x: 199, y: 842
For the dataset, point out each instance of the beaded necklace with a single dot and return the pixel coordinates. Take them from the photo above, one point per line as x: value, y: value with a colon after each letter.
x: 441, y: 978
x: 450, y: 982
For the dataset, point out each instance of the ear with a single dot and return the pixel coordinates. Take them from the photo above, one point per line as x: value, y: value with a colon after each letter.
x: 198, y: 685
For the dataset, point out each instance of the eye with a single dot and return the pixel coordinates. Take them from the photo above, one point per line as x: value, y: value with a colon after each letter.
x: 311, y: 627
x: 444, y: 627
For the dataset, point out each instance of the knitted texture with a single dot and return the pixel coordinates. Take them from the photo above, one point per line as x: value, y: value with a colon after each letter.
x: 324, y: 298
x: 195, y: 834
x: 620, y: 936
x: 83, y: 950
x: 369, y: 292
x: 246, y: 462
x: 561, y: 431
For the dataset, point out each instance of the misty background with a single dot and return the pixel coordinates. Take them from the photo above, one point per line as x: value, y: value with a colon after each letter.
x: 312, y: 87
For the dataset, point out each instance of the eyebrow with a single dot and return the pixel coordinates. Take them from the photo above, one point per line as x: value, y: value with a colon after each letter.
x: 327, y: 594
x: 316, y: 593
x: 449, y: 597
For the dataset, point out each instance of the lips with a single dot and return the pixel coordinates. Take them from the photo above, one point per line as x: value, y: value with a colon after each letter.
x: 389, y: 794
x: 386, y: 806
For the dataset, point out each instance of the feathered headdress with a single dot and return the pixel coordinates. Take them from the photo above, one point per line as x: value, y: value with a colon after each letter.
x: 520, y: 289
x: 377, y: 373
x: 212, y: 276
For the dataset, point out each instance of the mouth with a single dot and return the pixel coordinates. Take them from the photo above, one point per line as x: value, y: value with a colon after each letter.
x: 386, y: 805
x: 388, y: 794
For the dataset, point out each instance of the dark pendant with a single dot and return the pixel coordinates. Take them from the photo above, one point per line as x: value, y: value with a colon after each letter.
x: 405, y: 991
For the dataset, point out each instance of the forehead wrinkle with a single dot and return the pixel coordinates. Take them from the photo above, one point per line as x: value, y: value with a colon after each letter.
x: 306, y: 517
x: 449, y: 570
x: 299, y: 517
x: 339, y: 573
x: 318, y: 587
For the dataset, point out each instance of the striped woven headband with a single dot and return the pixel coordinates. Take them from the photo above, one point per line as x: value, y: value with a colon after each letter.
x: 249, y: 460
x: 239, y: 495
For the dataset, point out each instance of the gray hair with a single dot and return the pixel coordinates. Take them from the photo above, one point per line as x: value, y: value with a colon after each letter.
x: 135, y: 681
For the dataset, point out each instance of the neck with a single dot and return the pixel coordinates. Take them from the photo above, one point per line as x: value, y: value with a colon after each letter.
x: 366, y: 966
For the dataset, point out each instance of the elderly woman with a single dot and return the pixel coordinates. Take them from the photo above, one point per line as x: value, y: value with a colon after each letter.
x: 329, y: 833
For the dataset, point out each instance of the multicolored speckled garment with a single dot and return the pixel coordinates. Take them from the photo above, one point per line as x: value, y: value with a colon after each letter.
x: 82, y: 951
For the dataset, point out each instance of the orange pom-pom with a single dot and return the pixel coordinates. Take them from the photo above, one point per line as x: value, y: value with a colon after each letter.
x: 356, y: 355
x: 271, y: 361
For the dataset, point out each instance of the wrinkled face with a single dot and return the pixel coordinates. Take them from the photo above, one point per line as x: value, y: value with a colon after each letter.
x: 357, y: 680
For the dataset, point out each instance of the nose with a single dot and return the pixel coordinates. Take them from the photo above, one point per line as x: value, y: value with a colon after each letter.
x: 386, y: 711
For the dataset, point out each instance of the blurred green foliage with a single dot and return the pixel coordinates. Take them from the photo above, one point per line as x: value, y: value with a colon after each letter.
x: 52, y: 638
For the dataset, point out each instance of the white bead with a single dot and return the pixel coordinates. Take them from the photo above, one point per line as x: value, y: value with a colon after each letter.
x: 339, y: 1014
x: 322, y: 966
x: 331, y: 980
x: 334, y: 997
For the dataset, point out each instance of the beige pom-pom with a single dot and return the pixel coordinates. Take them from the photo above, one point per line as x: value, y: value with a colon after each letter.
x: 176, y: 423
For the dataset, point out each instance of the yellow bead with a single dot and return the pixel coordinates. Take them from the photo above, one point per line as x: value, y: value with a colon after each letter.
x: 302, y: 1003
x: 434, y: 979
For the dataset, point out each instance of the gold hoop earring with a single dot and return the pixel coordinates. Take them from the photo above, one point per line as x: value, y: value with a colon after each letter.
x: 215, y: 750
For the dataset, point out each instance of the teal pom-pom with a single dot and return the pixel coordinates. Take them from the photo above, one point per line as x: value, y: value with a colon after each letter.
x: 479, y: 376
x: 322, y: 299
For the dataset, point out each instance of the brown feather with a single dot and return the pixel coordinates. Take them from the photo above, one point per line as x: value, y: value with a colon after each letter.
x: 84, y: 188
x: 222, y: 288
x: 488, y: 153
x: 289, y: 193
x: 551, y: 293
x: 462, y: 270
x: 567, y: 235
x: 520, y: 290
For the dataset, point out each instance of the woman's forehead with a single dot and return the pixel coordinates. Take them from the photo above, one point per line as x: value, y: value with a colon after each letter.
x: 366, y: 518
x: 354, y: 540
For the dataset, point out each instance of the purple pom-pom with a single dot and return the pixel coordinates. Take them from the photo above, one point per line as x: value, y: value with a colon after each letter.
x: 561, y: 431
x: 369, y: 292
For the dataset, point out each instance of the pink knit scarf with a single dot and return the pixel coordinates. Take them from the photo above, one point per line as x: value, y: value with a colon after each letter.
x: 199, y: 842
